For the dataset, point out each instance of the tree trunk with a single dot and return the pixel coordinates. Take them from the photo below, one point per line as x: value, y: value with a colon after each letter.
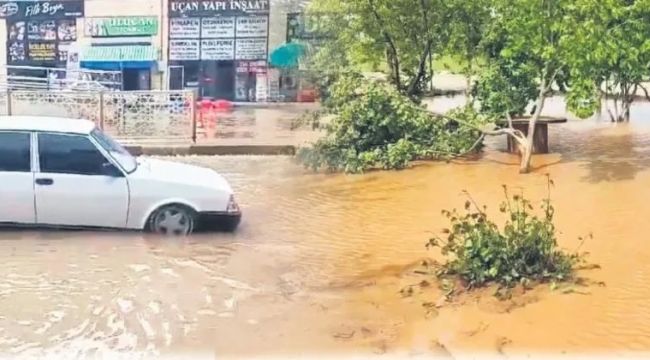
x: 468, y: 83
x: 527, y: 147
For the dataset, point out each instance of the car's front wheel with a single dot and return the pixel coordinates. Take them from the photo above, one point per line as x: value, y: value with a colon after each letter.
x: 173, y: 220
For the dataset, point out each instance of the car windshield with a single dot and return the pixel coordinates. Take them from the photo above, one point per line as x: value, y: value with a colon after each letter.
x: 119, y: 153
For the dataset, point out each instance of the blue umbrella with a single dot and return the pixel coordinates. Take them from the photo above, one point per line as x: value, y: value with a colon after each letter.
x: 287, y: 55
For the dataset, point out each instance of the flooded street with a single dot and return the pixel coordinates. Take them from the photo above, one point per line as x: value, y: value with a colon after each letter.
x: 319, y: 262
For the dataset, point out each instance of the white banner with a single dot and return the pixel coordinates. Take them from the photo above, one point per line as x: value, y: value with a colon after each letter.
x: 218, y: 27
x: 213, y: 49
x: 185, y: 28
x: 252, y: 26
x: 250, y: 49
x: 184, y: 50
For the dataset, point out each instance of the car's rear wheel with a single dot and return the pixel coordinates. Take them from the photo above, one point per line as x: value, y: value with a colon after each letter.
x: 173, y: 220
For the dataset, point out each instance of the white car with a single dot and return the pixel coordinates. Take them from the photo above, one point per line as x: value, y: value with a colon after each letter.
x: 57, y: 172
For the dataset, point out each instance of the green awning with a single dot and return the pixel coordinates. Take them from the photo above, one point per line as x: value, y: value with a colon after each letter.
x: 119, y: 53
x: 287, y: 55
x: 112, y: 57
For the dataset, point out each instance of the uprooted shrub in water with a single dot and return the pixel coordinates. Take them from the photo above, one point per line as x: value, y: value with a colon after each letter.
x: 374, y: 126
x: 525, y: 250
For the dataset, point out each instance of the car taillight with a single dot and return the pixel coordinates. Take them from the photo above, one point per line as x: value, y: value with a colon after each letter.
x: 232, y: 208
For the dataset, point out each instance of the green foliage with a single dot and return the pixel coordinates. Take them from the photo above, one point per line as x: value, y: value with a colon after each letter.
x: 468, y: 22
x: 531, y: 41
x: 396, y: 36
x: 377, y: 127
x: 611, y: 48
x: 525, y: 250
x: 505, y: 88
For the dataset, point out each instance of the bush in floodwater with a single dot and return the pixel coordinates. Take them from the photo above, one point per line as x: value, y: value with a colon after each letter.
x: 374, y: 126
x: 524, y: 251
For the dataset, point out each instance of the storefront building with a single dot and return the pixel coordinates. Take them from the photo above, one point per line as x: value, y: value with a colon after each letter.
x: 124, y: 44
x: 38, y: 33
x: 219, y: 47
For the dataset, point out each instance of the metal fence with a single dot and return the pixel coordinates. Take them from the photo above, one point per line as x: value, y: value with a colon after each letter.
x: 126, y: 115
x: 33, y: 77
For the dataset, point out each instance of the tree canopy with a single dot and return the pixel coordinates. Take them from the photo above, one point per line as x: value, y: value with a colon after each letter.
x: 528, y: 49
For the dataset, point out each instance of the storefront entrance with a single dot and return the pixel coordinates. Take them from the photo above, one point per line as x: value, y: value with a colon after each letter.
x: 136, y: 79
x: 218, y: 80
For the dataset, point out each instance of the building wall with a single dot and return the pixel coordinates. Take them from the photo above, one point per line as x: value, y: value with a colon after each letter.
x: 159, y: 8
x: 278, y: 20
x: 116, y: 8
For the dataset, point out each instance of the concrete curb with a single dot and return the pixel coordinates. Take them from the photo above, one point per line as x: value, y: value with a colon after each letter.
x: 211, y: 150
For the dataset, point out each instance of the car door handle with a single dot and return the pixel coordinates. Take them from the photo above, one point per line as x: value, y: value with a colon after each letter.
x: 44, y: 181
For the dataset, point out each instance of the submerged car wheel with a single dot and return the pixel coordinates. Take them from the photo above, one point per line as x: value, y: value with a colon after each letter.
x: 173, y: 220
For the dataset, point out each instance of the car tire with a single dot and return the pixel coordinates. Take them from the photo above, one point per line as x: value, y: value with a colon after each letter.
x: 172, y: 220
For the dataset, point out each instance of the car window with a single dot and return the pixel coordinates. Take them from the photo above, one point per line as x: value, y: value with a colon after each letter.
x: 15, y: 152
x: 69, y: 154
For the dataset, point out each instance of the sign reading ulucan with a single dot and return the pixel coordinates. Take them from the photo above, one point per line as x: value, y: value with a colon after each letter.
x: 121, y: 26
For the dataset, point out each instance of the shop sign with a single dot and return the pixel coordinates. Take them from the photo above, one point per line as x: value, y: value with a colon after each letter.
x: 217, y: 49
x: 39, y: 41
x: 185, y: 28
x: 121, y: 26
x: 219, y: 27
x: 252, y: 26
x: 184, y: 50
x: 251, y: 49
x: 42, y: 52
x: 255, y: 67
x: 193, y: 8
x: 301, y: 27
x: 41, y: 9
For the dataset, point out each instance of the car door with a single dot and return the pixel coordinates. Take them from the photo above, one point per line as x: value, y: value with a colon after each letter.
x: 77, y: 185
x: 16, y: 178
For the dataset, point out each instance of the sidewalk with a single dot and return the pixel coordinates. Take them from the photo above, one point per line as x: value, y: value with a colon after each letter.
x: 247, y: 130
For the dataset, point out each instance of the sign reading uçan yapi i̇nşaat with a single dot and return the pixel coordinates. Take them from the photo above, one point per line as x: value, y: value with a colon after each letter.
x: 194, y: 8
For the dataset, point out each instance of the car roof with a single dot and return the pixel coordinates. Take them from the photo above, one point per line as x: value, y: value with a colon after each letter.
x: 46, y: 123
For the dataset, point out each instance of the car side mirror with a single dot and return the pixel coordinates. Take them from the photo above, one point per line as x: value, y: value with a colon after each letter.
x: 110, y: 170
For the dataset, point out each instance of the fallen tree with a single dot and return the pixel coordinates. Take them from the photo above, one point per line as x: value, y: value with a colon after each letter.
x: 374, y: 126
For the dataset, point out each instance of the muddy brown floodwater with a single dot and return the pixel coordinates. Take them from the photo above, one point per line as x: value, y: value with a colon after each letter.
x: 319, y: 261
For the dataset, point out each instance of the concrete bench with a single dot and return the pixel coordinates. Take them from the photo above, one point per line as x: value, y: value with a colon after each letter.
x: 540, y: 140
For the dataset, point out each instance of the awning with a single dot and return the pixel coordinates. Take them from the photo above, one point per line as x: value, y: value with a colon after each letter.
x: 287, y: 55
x: 117, y: 57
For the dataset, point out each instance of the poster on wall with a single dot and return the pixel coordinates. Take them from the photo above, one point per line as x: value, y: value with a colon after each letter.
x: 16, y: 51
x: 252, y: 26
x: 72, y: 63
x: 219, y: 27
x: 250, y: 49
x: 185, y: 28
x: 41, y: 51
x: 41, y: 30
x: 62, y: 50
x: 16, y: 31
x: 67, y: 30
x: 261, y: 87
x: 217, y: 49
x: 184, y: 50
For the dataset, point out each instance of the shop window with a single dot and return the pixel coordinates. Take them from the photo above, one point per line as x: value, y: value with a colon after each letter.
x: 190, y: 73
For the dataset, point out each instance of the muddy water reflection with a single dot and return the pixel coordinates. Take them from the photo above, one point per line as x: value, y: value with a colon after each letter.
x: 317, y: 264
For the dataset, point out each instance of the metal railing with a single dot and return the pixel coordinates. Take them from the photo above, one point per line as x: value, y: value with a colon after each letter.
x: 34, y: 77
x: 127, y: 115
